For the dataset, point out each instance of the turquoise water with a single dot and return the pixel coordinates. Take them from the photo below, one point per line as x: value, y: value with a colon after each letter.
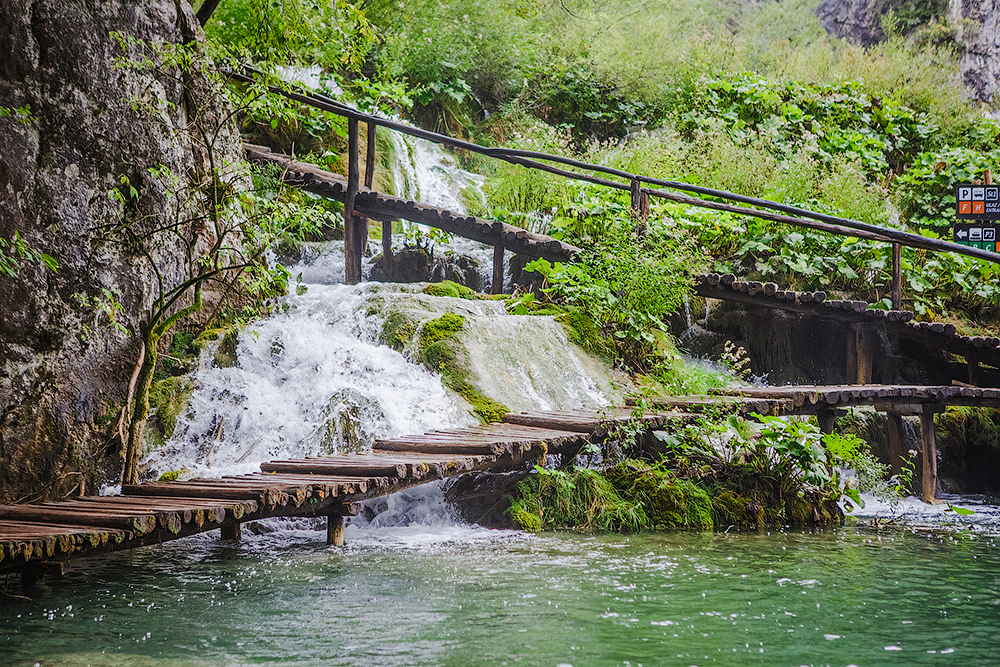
x: 455, y: 595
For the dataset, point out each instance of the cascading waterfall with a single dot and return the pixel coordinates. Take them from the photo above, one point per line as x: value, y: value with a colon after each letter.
x: 312, y: 380
x: 423, y: 171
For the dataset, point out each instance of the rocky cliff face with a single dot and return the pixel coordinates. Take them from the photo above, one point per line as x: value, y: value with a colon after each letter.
x: 64, y: 370
x: 975, y: 22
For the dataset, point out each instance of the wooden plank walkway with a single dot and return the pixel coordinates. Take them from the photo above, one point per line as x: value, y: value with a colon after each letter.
x: 383, y: 207
x: 937, y: 335
x: 157, y: 512
x: 32, y: 536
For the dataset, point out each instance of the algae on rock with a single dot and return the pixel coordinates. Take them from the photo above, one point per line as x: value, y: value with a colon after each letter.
x: 495, y: 361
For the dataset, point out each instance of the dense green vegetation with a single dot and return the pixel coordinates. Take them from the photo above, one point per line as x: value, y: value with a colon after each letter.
x: 757, y: 100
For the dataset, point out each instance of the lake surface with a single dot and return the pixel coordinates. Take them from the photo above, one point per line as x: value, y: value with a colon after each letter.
x: 457, y: 595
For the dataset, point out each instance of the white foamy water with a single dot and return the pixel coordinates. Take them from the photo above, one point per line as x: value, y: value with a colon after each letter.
x: 304, y: 380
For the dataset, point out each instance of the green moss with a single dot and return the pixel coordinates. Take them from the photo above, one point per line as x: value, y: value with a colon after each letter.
x: 451, y: 289
x: 668, y: 502
x: 579, y: 499
x: 167, y: 399
x: 398, y: 330
x: 172, y: 475
x: 442, y: 358
x: 729, y: 508
x: 586, y: 333
x: 438, y: 329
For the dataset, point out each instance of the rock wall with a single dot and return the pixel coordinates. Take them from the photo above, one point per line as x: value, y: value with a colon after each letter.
x: 975, y: 23
x: 64, y: 370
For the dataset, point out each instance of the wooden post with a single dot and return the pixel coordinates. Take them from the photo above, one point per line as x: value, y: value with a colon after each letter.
x: 387, y: 249
x: 827, y: 420
x: 353, y: 245
x: 928, y: 481
x: 232, y: 531
x: 640, y: 205
x: 498, y: 259
x: 974, y: 370
x: 859, y: 354
x: 897, y: 277
x: 335, y: 530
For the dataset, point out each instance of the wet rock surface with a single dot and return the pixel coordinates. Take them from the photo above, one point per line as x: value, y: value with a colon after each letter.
x: 63, y: 369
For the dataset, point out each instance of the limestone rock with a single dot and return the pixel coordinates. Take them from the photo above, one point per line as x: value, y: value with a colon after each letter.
x: 63, y: 370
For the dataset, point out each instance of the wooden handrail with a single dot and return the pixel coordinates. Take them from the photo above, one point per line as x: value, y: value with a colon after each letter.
x: 793, y: 215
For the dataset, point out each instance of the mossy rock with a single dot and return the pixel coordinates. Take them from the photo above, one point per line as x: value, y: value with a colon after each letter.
x: 444, y: 359
x: 438, y: 329
x: 167, y: 399
x: 451, y: 289
x: 398, y: 330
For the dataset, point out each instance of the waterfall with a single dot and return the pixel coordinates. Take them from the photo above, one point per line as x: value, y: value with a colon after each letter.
x: 309, y: 381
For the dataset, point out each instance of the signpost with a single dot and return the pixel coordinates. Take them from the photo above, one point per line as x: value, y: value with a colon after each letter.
x: 977, y: 206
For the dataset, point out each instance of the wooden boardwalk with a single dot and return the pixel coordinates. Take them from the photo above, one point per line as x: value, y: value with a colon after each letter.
x: 32, y: 536
x: 975, y: 350
x: 37, y: 537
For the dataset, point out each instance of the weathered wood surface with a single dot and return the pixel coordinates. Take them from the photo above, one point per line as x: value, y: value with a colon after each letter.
x: 807, y: 399
x: 156, y: 512
x: 378, y: 206
x: 938, y: 335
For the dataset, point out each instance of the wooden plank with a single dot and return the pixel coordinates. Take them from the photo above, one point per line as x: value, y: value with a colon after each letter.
x: 135, y: 523
x: 346, y: 468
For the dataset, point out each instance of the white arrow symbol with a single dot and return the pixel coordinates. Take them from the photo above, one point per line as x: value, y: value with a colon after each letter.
x: 962, y: 233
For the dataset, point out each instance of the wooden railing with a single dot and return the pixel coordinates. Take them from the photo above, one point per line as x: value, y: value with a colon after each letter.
x: 635, y: 184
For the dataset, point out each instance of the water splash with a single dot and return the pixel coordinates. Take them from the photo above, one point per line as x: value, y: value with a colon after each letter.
x: 314, y: 379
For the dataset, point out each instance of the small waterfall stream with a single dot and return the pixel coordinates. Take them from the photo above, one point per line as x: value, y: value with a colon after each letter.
x: 315, y: 379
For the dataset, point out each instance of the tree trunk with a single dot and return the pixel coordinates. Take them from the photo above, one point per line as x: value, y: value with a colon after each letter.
x: 140, y: 409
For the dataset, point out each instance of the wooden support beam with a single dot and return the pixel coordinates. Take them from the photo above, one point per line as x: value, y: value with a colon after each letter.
x: 827, y: 419
x: 353, y: 245
x: 335, y: 530
x: 894, y: 433
x: 859, y: 354
x: 370, y: 155
x: 928, y: 448
x: 498, y: 259
x: 387, y: 249
x: 232, y: 531
x: 640, y: 201
x: 897, y: 276
x: 975, y: 371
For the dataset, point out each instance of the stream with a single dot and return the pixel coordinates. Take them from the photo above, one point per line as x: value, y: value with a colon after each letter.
x: 415, y: 586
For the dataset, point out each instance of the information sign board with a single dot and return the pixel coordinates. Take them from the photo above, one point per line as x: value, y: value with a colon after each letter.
x: 977, y: 202
x: 982, y: 235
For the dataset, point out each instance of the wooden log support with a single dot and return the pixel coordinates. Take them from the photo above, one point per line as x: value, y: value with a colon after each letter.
x: 827, y: 419
x: 928, y: 448
x: 370, y: 155
x: 640, y: 204
x: 387, y: 261
x: 232, y: 532
x: 335, y: 530
x: 354, y: 240
x: 860, y: 344
x: 897, y: 276
x: 894, y: 434
x: 498, y: 259
x: 974, y: 369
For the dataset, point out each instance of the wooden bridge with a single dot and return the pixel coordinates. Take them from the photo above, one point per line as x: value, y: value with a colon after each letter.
x: 34, y: 538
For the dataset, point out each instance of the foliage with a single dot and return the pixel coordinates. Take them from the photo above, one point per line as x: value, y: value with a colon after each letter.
x: 15, y: 251
x: 927, y: 188
x: 627, y: 282
x: 581, y: 499
x: 823, y: 120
